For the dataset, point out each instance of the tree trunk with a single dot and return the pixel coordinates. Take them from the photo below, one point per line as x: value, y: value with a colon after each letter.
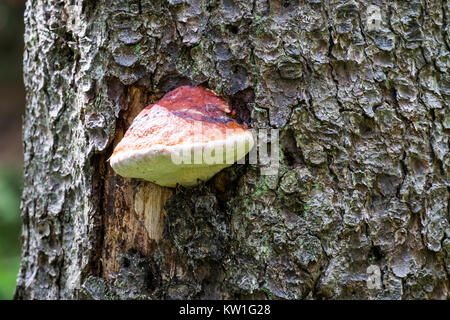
x: 359, y: 207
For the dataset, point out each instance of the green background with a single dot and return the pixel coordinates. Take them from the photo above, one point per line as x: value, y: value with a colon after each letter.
x: 11, y: 157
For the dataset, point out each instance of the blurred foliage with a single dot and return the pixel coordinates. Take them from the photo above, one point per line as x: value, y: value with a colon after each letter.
x: 10, y: 191
x: 11, y: 40
x: 11, y: 53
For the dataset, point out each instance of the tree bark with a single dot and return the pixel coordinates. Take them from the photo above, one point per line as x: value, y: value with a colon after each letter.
x: 358, y: 91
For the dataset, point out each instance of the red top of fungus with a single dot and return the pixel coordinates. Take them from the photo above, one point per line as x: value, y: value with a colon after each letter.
x: 176, y: 119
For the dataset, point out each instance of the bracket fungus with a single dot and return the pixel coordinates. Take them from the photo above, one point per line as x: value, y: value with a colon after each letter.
x: 185, y: 137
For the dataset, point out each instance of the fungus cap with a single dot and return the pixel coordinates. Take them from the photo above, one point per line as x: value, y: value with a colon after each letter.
x: 185, y: 137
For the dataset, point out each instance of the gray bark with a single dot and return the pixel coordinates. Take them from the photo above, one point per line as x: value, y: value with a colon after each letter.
x: 359, y: 209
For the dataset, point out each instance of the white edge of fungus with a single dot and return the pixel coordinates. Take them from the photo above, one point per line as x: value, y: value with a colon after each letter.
x: 155, y: 163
